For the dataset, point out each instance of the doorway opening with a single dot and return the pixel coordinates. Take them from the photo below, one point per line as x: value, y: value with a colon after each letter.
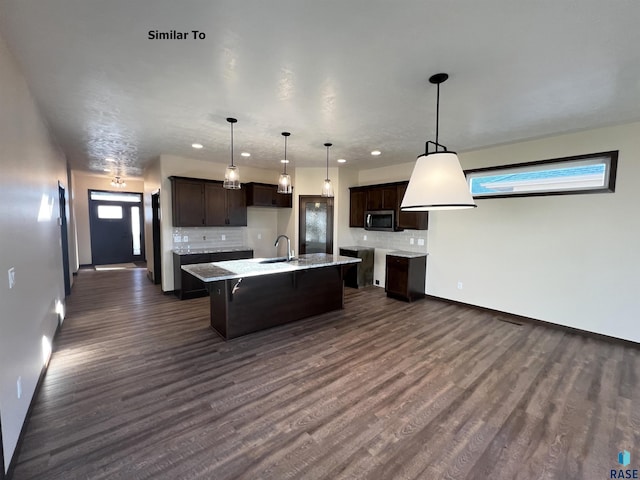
x: 115, y: 222
x: 316, y: 224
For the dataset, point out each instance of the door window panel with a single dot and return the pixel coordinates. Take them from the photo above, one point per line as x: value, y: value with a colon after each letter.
x: 110, y: 212
x: 135, y: 229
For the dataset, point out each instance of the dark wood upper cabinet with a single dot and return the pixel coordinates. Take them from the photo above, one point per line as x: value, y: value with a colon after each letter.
x: 266, y: 195
x: 386, y: 196
x: 205, y: 203
x: 236, y: 208
x: 409, y: 220
x: 215, y: 204
x: 358, y: 203
x: 188, y: 202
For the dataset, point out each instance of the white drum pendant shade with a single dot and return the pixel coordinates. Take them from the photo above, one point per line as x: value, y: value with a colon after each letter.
x: 437, y: 183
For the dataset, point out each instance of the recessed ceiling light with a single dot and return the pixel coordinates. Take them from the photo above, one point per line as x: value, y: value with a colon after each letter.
x: 245, y: 154
x: 106, y: 169
x: 284, y: 160
x: 109, y: 159
x: 342, y: 160
x: 196, y: 145
x: 375, y: 153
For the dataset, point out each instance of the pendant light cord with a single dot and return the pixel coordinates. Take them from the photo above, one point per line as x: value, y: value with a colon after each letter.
x: 437, y: 115
x: 285, y: 154
x: 232, y: 143
x: 328, y: 161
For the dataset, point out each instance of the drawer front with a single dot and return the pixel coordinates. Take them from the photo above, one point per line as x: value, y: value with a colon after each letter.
x: 397, y: 261
x: 194, y: 258
x: 222, y: 256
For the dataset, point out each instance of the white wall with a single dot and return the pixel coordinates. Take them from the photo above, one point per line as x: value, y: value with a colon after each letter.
x: 82, y: 183
x: 152, y: 182
x: 259, y: 220
x: 32, y: 166
x: 571, y: 260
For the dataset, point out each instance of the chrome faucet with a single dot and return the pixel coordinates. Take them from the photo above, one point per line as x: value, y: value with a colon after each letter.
x: 289, y: 253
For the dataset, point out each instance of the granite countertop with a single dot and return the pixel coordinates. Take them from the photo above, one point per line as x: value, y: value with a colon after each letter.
x: 230, y: 269
x: 357, y: 248
x: 189, y: 251
x: 402, y: 253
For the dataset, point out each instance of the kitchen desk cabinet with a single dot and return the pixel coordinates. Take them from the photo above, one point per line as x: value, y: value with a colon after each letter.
x: 405, y: 275
x: 360, y: 274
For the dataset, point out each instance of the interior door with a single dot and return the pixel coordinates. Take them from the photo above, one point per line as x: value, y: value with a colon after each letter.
x: 155, y: 230
x: 316, y: 224
x: 64, y: 239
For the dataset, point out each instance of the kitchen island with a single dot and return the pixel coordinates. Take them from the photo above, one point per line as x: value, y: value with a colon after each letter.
x: 254, y: 294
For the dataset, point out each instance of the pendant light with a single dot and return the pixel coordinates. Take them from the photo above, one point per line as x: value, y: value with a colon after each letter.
x: 327, y: 188
x: 284, y: 183
x: 437, y: 181
x: 231, y: 174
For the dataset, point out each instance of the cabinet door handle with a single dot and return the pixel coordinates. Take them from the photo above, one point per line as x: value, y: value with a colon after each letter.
x: 368, y: 220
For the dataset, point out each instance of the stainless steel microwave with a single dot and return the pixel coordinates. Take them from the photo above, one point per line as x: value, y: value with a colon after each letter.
x: 382, y: 220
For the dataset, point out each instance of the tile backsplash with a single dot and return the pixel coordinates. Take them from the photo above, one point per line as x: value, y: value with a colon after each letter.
x: 201, y: 237
x: 407, y: 240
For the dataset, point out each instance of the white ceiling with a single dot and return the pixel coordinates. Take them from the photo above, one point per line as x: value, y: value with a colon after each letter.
x: 353, y: 72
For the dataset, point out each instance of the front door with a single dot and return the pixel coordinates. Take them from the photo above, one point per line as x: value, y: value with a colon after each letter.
x: 115, y: 222
x: 316, y: 224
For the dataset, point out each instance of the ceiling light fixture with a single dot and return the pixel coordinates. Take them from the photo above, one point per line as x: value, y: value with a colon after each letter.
x: 245, y: 154
x: 327, y: 188
x: 231, y: 174
x: 197, y: 146
x: 437, y: 181
x: 375, y: 153
x: 342, y: 160
x: 118, y: 182
x: 284, y: 183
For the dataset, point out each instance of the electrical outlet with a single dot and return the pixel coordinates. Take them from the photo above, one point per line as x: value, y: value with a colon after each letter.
x: 19, y: 387
x: 364, y: 237
x: 223, y: 237
x: 421, y: 242
x: 459, y: 285
x: 377, y: 282
x: 12, y: 277
x: 185, y: 238
x: 204, y: 237
x: 259, y: 236
x: 411, y: 241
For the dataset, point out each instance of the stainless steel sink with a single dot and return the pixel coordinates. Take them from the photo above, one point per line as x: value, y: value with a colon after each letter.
x: 273, y: 260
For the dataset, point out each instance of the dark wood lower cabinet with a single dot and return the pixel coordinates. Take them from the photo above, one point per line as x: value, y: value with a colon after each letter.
x: 251, y: 304
x: 186, y: 285
x: 405, y: 276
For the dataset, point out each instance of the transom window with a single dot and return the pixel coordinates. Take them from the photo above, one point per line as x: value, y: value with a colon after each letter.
x: 593, y: 173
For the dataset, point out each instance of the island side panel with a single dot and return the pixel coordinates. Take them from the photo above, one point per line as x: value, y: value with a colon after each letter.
x: 266, y: 301
x: 218, y: 293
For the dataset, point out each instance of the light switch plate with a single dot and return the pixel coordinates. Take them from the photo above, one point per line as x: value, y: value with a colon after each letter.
x: 421, y: 241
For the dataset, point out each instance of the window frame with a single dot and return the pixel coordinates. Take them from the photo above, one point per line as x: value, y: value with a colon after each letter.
x: 609, y: 187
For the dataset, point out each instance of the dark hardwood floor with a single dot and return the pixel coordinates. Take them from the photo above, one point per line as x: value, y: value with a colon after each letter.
x: 139, y: 387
